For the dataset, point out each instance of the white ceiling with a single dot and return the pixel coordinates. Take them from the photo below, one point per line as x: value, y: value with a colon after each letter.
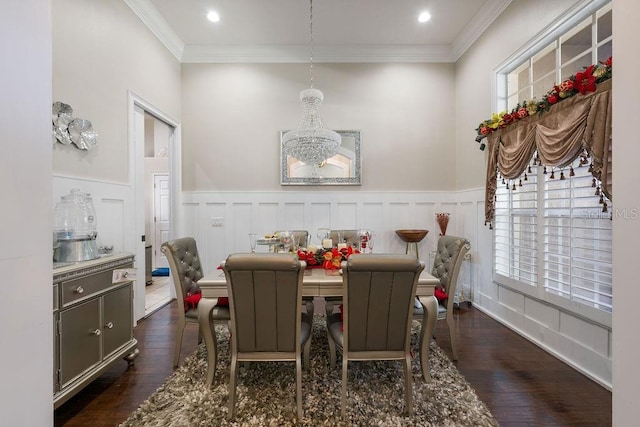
x: 343, y: 30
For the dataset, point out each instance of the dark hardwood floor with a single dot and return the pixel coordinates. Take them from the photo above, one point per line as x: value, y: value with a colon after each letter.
x: 521, y: 384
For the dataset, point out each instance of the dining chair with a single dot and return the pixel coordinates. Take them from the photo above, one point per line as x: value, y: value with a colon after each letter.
x: 375, y: 323
x: 267, y: 323
x: 350, y: 237
x: 301, y: 239
x: 446, y: 266
x: 186, y: 270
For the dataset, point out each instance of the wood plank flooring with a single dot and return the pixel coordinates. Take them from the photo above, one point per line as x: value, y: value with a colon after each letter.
x: 521, y: 384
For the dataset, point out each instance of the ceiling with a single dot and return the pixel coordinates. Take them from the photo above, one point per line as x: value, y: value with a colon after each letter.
x: 343, y: 30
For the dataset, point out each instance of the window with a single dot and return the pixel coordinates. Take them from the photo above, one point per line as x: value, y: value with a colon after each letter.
x: 552, y: 239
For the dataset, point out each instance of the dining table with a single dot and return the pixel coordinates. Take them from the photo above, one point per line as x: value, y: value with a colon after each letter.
x: 317, y: 282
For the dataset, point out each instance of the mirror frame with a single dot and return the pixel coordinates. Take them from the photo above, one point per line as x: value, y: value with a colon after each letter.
x: 285, y: 179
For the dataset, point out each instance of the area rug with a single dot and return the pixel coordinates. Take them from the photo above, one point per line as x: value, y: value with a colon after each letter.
x: 266, y: 392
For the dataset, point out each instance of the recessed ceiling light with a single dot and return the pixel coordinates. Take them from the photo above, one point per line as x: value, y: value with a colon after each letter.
x: 424, y: 17
x: 213, y: 16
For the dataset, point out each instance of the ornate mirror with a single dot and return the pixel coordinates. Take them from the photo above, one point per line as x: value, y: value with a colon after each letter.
x: 341, y: 169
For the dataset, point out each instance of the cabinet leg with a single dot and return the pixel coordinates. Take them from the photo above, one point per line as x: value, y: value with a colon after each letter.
x: 131, y: 357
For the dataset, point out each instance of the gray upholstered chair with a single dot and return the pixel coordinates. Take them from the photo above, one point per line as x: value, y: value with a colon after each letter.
x: 350, y: 237
x: 267, y: 323
x: 378, y: 292
x: 300, y: 237
x: 186, y: 270
x: 446, y: 266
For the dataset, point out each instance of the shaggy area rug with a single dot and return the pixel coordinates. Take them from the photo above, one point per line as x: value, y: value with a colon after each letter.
x: 266, y: 392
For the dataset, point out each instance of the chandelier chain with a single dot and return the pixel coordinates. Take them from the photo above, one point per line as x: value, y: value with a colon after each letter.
x: 311, y: 40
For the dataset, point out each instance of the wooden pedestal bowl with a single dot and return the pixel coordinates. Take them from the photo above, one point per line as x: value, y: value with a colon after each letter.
x: 411, y: 236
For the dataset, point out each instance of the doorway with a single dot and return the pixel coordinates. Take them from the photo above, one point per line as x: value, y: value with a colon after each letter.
x: 156, y: 150
x: 157, y: 139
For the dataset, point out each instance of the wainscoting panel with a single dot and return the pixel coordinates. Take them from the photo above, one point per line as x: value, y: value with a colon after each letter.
x: 294, y: 215
x: 265, y: 220
x: 266, y: 212
x: 114, y: 210
x: 583, y: 345
x: 346, y: 216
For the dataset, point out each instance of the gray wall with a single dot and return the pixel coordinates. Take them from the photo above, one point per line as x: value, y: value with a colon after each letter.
x: 233, y: 114
x: 102, y: 51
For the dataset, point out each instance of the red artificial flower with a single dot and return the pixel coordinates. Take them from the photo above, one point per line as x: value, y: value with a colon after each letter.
x: 566, y: 86
x: 552, y: 99
x: 507, y: 119
x: 348, y: 251
x: 483, y: 130
x: 332, y: 259
x: 522, y: 113
x: 584, y: 81
x: 609, y: 61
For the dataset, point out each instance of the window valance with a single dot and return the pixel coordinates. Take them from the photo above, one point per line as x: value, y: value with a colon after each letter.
x: 578, y: 126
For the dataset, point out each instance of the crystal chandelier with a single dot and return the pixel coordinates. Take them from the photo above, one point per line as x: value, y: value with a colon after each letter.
x: 312, y: 142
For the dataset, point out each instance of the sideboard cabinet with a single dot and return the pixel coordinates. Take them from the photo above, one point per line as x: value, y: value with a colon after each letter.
x: 92, y: 321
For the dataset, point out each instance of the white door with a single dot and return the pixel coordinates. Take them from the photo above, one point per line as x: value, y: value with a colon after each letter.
x: 161, y: 218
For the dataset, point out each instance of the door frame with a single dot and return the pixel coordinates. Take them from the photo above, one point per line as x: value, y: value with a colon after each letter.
x: 136, y: 179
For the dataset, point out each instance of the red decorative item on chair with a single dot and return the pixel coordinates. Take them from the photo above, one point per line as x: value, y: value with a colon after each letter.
x: 440, y: 295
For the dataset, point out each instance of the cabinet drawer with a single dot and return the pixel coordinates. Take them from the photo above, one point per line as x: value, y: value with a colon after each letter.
x: 84, y: 287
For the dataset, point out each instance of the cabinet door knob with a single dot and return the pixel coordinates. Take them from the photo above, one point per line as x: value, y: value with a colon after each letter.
x: 79, y: 290
x: 97, y: 332
x: 109, y: 325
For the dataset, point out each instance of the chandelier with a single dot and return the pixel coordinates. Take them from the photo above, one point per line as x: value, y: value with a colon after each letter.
x: 312, y: 142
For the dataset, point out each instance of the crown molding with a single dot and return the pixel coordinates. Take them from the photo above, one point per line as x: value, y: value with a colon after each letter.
x: 156, y: 23
x: 159, y: 26
x: 480, y: 23
x: 321, y: 53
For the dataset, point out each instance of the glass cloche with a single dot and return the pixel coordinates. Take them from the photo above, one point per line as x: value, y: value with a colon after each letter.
x: 75, y: 227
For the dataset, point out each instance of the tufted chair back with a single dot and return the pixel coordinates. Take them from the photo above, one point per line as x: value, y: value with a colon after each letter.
x: 299, y: 237
x: 350, y: 237
x: 186, y: 270
x: 446, y: 265
x: 184, y: 261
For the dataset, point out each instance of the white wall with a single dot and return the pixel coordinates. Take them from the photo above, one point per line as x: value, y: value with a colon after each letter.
x: 233, y: 115
x: 26, y: 334
x: 475, y: 77
x: 101, y: 51
x: 626, y: 229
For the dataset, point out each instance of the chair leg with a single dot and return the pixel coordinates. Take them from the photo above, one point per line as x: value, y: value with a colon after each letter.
x: 299, y: 386
x: 343, y: 396
x: 452, y: 337
x: 233, y: 377
x: 310, y: 308
x: 176, y: 352
x: 332, y: 350
x: 306, y: 350
x: 408, y: 386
